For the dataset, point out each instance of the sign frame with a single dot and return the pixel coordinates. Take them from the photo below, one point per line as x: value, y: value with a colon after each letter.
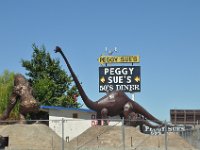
x: 118, y: 59
x: 123, y: 78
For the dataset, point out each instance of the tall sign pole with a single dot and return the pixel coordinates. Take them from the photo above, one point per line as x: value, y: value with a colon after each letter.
x: 133, y: 96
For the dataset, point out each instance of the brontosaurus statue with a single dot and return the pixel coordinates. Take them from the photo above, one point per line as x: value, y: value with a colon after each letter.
x: 22, y: 91
x: 114, y: 103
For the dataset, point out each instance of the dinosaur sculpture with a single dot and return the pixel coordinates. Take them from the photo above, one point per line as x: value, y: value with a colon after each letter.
x: 22, y: 91
x: 114, y: 103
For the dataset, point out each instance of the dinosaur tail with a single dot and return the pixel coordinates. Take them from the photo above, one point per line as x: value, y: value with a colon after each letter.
x: 139, y: 109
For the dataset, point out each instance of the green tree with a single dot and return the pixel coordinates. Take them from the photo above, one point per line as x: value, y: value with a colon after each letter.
x: 51, y: 85
x: 6, y: 87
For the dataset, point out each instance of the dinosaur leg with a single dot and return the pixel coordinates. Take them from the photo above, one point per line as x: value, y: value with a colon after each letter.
x: 12, y: 102
x: 99, y: 118
x: 21, y: 118
x: 104, y: 115
x: 133, y: 119
x: 127, y: 110
x: 139, y: 120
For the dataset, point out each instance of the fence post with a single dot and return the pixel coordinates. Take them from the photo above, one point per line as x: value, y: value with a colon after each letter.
x: 62, y: 127
x: 52, y: 142
x: 131, y: 141
x: 166, y: 135
x: 123, y: 134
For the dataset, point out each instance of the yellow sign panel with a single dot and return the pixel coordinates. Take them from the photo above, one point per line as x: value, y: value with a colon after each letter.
x: 118, y: 59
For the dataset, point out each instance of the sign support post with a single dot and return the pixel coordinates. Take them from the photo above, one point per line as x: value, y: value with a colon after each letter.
x: 133, y: 96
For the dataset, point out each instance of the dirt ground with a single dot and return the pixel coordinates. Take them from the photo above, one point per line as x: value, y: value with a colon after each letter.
x: 41, y: 137
x: 112, y: 138
x: 27, y: 137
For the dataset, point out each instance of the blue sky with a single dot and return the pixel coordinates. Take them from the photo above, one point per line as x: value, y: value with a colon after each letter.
x: 166, y: 35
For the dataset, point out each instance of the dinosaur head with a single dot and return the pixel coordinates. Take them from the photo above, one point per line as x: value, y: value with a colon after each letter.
x: 57, y: 49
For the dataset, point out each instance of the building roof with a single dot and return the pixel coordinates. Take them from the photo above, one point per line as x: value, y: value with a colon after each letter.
x: 184, y: 109
x: 67, y: 108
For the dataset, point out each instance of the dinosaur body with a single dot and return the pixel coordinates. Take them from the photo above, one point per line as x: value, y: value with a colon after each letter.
x: 22, y: 92
x: 114, y: 103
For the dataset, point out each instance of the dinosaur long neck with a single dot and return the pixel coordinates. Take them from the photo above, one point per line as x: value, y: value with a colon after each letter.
x: 83, y: 95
